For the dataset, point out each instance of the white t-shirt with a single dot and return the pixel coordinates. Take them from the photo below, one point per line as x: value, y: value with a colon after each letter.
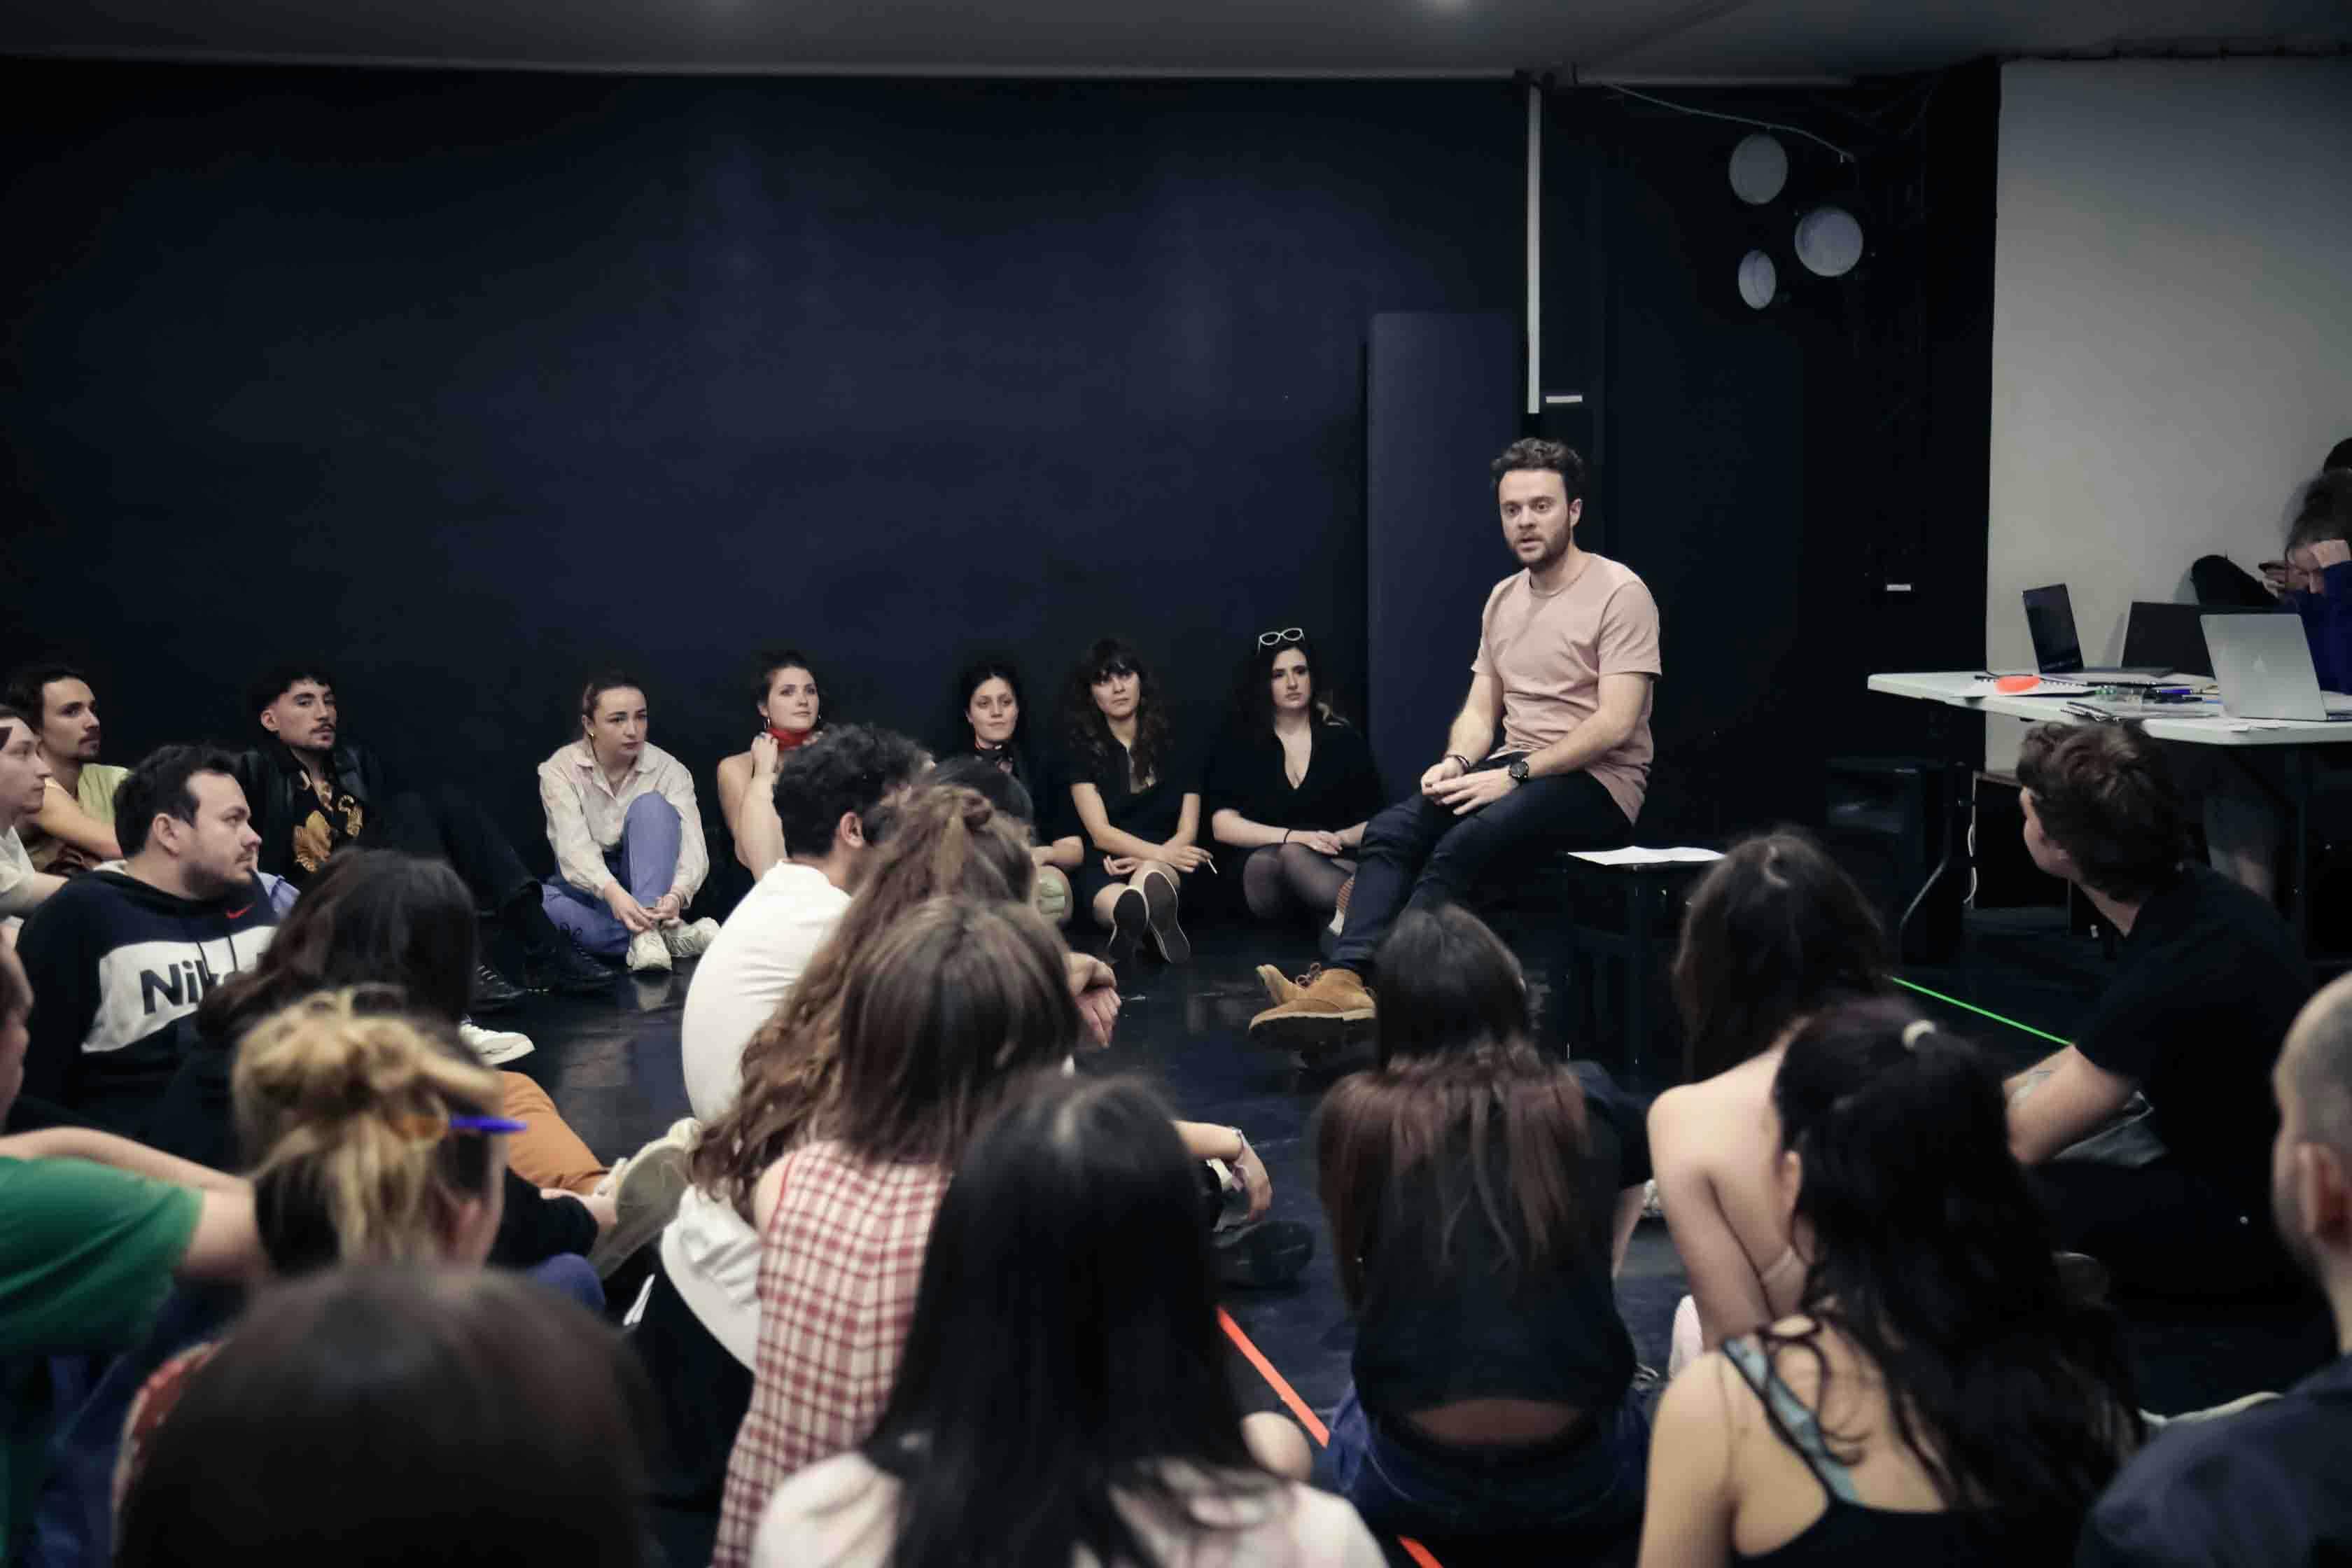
x: 761, y: 952
x: 840, y: 1513
x: 711, y: 1255
x: 15, y: 876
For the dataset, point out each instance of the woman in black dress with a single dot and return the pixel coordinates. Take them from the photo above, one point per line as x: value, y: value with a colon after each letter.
x: 989, y: 698
x: 1137, y: 794
x: 1292, y: 783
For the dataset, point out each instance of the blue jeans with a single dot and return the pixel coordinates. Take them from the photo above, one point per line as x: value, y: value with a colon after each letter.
x: 645, y: 862
x: 1408, y: 1484
x: 568, y: 1274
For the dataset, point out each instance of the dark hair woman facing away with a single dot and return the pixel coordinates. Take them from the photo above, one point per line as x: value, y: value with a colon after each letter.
x: 1291, y: 784
x: 1471, y: 1188
x: 402, y: 1415
x: 1937, y: 1398
x: 1138, y: 797
x: 1063, y: 1398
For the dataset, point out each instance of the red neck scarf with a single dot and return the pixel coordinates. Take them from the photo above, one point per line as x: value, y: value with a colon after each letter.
x: 786, y: 739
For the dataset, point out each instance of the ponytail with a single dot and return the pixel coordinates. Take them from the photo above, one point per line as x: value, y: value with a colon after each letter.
x: 343, y: 1106
x: 1931, y: 1258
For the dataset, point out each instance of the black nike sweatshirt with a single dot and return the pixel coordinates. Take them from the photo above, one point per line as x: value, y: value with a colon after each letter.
x: 114, y: 962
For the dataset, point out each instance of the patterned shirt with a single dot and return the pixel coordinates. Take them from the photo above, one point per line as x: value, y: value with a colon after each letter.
x: 837, y: 1274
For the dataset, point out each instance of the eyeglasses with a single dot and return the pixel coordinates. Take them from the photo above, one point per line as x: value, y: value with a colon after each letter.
x: 429, y: 1128
x: 1287, y: 634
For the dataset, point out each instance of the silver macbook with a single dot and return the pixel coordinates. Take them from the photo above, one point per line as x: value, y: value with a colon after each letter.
x: 2264, y: 669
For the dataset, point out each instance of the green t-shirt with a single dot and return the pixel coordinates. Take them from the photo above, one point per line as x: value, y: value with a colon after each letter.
x: 95, y: 796
x: 87, y: 1255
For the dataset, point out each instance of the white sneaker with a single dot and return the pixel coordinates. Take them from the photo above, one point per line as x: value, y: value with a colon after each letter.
x: 680, y: 1135
x: 647, y: 950
x: 496, y: 1046
x: 689, y: 941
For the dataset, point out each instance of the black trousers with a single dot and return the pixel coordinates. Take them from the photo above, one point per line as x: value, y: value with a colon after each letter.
x: 442, y: 825
x: 702, y: 1391
x: 1419, y: 852
x: 2162, y: 1230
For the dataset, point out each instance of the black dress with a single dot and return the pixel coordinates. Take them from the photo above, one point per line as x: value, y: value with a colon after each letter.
x: 1151, y: 813
x: 1340, y: 788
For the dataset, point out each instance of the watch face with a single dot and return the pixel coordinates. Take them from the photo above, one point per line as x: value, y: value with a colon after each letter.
x: 1519, y: 771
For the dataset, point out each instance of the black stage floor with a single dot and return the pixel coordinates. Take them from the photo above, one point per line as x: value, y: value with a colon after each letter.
x: 612, y: 1068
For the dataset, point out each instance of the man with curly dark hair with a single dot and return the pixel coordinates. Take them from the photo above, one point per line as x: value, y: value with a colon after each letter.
x: 1551, y: 750
x: 2208, y: 982
x: 826, y: 795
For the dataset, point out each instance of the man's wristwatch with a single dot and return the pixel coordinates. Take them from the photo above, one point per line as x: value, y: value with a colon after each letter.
x: 1517, y: 769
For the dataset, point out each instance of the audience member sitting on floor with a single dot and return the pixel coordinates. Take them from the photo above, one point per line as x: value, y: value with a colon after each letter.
x: 1937, y: 1398
x: 119, y: 956
x: 382, y: 1417
x: 2208, y: 982
x: 988, y: 694
x: 1136, y: 788
x: 313, y: 791
x: 1774, y: 932
x: 785, y: 696
x: 627, y: 836
x: 824, y: 795
x: 370, y: 1134
x: 73, y: 829
x: 953, y: 1006
x: 97, y: 1230
x: 1291, y: 782
x: 1065, y: 1396
x: 23, y: 785
x: 1001, y: 789
x: 379, y: 918
x: 1475, y: 1194
x: 1551, y: 749
x: 2266, y: 1485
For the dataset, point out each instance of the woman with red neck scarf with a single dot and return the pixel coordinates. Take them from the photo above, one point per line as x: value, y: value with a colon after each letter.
x: 785, y: 697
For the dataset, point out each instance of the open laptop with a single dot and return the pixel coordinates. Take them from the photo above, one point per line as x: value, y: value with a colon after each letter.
x: 2050, y: 619
x: 2265, y: 671
x: 2171, y: 637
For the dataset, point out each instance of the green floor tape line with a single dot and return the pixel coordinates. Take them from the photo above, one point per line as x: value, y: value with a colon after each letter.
x: 1983, y: 1012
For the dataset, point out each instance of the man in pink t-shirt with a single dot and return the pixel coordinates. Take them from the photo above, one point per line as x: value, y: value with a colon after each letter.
x: 1551, y: 750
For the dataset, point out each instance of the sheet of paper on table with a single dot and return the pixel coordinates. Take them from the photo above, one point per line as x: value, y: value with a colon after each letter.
x: 1636, y: 856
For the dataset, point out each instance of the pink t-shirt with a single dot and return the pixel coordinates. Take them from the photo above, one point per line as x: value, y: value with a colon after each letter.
x: 1549, y: 654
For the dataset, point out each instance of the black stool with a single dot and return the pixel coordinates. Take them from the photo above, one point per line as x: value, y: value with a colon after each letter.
x: 1640, y: 911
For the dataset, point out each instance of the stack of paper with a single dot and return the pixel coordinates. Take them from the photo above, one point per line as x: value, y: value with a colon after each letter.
x: 1637, y: 855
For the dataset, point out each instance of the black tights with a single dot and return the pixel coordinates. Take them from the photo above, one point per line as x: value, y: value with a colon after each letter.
x: 1279, y: 880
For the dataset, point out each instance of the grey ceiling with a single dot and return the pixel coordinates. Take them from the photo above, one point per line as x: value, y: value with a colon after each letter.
x: 1621, y: 38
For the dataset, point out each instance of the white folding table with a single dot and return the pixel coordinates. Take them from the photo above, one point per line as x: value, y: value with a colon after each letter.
x: 2294, y: 741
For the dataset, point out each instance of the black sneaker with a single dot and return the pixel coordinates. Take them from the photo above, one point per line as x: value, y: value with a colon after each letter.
x: 493, y: 992
x: 1271, y: 1252
x: 570, y: 969
x: 1130, y: 917
x: 1159, y: 902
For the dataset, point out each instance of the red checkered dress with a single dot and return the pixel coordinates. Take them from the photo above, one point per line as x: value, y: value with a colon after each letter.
x: 838, y: 1268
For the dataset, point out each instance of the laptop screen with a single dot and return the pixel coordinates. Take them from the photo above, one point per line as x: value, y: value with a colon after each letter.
x: 2050, y: 620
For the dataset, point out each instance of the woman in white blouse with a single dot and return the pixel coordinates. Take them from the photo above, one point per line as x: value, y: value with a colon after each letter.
x: 629, y: 854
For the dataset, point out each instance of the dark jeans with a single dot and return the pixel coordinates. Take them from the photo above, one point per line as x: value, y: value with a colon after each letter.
x: 2162, y: 1230
x: 1419, y: 852
x: 442, y: 825
x: 1588, y: 1491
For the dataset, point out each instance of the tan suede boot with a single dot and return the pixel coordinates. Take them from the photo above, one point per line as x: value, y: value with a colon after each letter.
x: 1333, y: 1008
x: 1279, y: 987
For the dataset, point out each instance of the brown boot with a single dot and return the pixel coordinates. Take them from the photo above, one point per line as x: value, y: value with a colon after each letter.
x: 1279, y: 987
x: 1333, y: 1008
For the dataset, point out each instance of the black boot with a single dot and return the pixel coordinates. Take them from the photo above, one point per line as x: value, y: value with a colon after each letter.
x: 553, y: 961
x: 493, y: 992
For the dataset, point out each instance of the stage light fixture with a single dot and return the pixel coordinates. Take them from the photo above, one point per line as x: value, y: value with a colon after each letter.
x: 1759, y: 168
x: 1759, y: 280
x: 1829, y: 241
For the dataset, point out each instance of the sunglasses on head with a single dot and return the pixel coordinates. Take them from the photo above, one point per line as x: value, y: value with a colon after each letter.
x: 1287, y: 634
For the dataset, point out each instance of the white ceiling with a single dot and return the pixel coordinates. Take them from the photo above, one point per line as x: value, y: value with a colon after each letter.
x: 1625, y: 40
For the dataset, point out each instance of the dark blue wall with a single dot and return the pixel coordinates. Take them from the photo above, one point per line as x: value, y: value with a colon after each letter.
x: 479, y: 380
